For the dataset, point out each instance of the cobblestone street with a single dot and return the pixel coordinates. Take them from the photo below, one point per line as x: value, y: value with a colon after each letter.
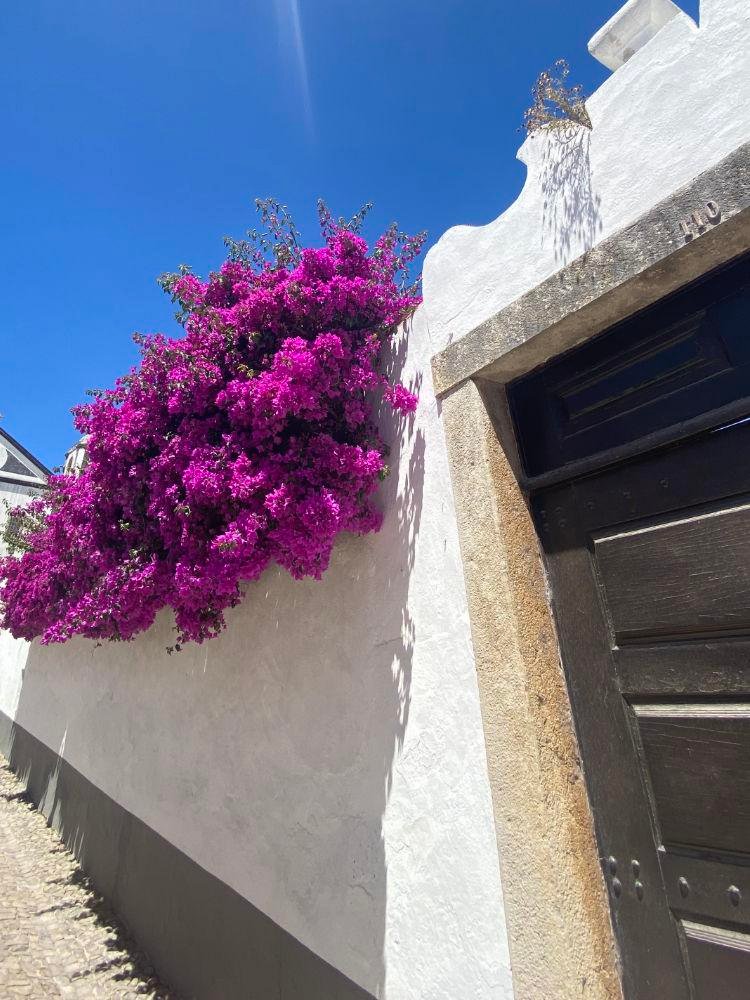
x: 57, y: 937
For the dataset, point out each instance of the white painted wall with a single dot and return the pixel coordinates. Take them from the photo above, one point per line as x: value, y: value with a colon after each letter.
x: 325, y: 755
x: 13, y: 655
x: 13, y: 652
x: 678, y: 105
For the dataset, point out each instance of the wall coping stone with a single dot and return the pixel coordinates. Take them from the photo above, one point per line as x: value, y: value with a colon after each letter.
x: 703, y: 225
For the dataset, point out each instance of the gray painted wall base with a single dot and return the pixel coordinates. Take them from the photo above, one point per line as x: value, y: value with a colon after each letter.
x: 204, y: 939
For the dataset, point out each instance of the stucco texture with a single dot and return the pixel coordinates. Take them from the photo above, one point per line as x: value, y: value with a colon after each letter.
x: 325, y: 755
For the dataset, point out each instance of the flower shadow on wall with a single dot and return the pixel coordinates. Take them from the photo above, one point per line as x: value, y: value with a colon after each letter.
x: 571, y: 210
x: 402, y: 496
x: 265, y: 757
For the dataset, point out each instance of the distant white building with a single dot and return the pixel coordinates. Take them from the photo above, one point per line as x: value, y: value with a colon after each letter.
x: 75, y: 458
x: 22, y: 477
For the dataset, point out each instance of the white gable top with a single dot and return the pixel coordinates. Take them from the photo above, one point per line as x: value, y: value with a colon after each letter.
x: 17, y: 465
x: 628, y: 31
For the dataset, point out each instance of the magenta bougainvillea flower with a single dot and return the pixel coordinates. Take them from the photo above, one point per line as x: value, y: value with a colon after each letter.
x: 247, y: 441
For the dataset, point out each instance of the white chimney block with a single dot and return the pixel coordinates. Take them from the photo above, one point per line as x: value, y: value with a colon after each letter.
x: 629, y: 29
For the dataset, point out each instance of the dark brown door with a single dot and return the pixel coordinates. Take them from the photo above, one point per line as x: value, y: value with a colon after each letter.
x: 649, y: 566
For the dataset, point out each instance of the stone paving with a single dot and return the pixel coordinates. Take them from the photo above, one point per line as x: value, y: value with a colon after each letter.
x: 57, y: 936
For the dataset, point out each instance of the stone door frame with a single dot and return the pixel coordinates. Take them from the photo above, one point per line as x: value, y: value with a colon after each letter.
x: 557, y: 913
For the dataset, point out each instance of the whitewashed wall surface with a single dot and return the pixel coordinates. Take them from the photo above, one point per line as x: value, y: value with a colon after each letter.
x: 324, y: 757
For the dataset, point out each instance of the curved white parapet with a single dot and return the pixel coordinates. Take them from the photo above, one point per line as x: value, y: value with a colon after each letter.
x: 677, y: 106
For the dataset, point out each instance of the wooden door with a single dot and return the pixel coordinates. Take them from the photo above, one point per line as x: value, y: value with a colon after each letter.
x: 649, y: 564
x: 636, y: 455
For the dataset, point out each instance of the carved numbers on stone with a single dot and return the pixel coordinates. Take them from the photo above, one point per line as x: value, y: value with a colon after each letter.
x: 700, y: 220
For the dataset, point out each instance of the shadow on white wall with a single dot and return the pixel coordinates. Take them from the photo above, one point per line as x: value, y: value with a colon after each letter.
x: 571, y: 217
x: 266, y: 755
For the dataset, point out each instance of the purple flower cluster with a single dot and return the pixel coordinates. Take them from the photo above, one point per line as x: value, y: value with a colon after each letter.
x: 250, y: 440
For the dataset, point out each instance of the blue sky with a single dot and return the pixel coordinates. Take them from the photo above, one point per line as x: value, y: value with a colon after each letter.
x: 138, y: 132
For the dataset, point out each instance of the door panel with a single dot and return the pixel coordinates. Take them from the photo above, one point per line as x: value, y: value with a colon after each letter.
x: 697, y: 758
x: 678, y: 577
x: 649, y: 565
x: 719, y: 961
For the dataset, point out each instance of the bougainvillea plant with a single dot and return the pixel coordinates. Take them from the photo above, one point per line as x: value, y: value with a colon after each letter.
x: 248, y: 441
